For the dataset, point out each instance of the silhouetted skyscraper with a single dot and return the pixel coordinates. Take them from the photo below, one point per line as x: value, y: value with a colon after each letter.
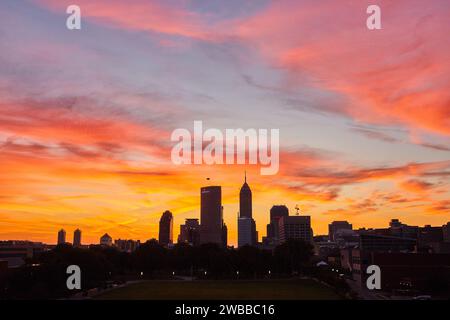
x: 276, y: 212
x: 166, y: 228
x: 245, y: 200
x: 77, y: 238
x: 246, y: 225
x: 61, y: 236
x: 211, y: 220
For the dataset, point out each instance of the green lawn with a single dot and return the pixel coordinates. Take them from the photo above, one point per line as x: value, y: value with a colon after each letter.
x: 292, y: 289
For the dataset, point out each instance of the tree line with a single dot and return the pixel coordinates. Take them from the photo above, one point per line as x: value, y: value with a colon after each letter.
x: 45, y: 276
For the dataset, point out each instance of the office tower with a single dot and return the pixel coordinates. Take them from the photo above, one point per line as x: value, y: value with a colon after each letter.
x: 77, y: 238
x: 190, y: 232
x: 166, y: 228
x: 295, y: 227
x: 247, y: 234
x: 106, y: 240
x: 335, y: 226
x: 276, y: 212
x: 211, y: 221
x: 61, y: 236
x: 245, y: 200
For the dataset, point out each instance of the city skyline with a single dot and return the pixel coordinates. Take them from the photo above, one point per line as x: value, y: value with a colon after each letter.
x: 87, y: 115
x: 333, y: 226
x: 174, y: 234
x: 329, y: 234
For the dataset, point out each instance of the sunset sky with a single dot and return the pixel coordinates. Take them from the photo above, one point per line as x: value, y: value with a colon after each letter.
x: 86, y: 115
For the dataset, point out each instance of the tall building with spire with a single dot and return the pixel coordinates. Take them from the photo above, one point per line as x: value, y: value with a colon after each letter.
x: 245, y: 200
x: 247, y: 234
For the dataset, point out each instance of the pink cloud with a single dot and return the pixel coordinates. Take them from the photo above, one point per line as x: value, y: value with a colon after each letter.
x: 154, y: 16
x: 397, y: 75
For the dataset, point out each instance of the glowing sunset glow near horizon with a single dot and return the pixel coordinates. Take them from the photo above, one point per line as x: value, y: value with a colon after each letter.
x: 87, y: 115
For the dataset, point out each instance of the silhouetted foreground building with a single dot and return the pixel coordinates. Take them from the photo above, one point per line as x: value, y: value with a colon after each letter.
x: 190, y: 232
x: 166, y: 229
x: 13, y: 253
x: 411, y: 272
x: 212, y: 227
x: 126, y: 245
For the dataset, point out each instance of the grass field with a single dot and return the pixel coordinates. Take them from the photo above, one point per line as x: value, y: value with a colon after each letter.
x: 292, y: 289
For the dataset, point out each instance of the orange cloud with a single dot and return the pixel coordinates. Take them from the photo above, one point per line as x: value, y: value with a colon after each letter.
x: 417, y: 186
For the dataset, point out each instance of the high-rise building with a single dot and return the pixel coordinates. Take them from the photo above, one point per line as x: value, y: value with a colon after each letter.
x: 211, y: 219
x: 77, y: 238
x: 335, y: 226
x: 166, y: 228
x: 245, y: 200
x: 190, y: 232
x: 61, y: 236
x: 295, y: 227
x: 106, y: 240
x: 276, y: 212
x: 247, y: 234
